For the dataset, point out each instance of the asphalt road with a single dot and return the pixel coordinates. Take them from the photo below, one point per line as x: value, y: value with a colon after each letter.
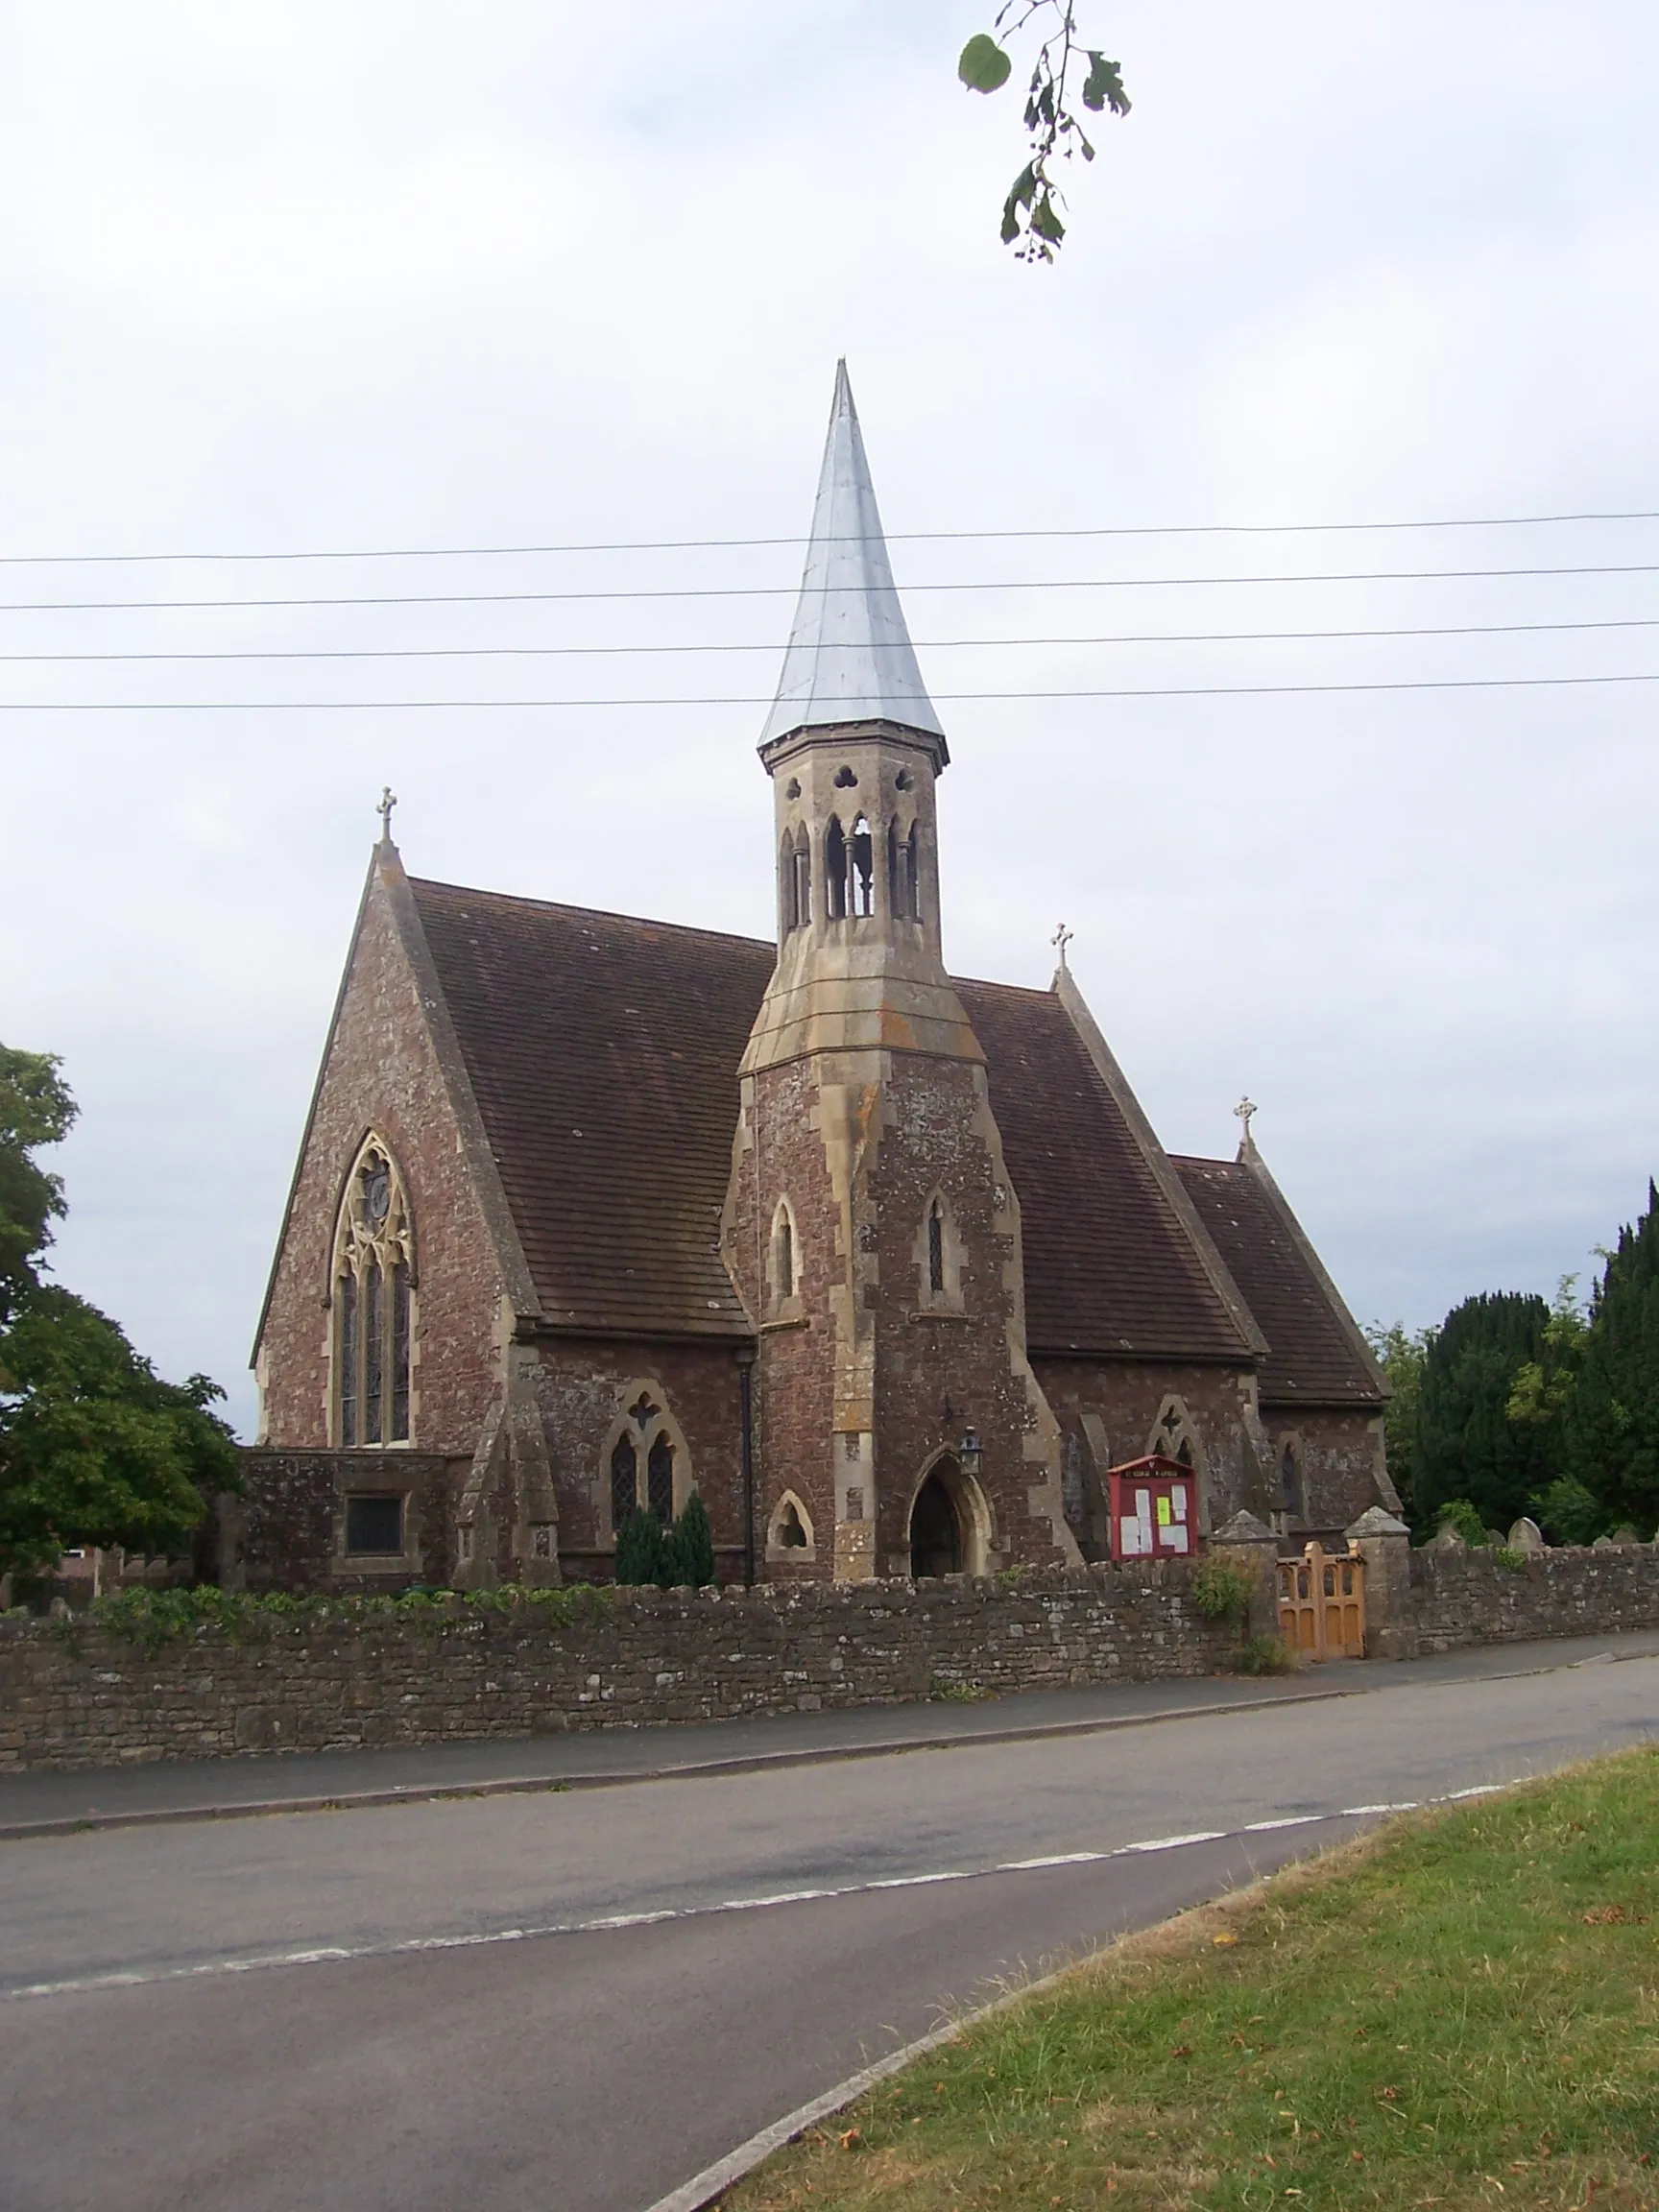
x: 574, y: 2001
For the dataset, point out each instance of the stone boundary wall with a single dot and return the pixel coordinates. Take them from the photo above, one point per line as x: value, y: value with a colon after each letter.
x: 72, y: 1695
x: 1470, y: 1597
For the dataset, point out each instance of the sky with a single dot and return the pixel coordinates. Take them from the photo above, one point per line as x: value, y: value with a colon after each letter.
x: 374, y: 279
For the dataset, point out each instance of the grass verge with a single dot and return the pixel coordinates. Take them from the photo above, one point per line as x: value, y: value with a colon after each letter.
x: 1460, y: 2010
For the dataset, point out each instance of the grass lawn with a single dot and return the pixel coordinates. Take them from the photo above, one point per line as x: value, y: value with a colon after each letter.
x: 1461, y: 2010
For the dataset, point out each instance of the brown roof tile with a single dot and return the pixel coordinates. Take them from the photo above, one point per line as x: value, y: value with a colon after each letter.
x: 1312, y: 1359
x: 603, y: 1053
x: 1108, y: 1268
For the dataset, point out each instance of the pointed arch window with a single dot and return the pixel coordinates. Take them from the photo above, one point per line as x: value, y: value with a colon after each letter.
x: 794, y: 883
x: 372, y: 1293
x: 902, y: 889
x: 939, y: 1257
x: 862, y: 870
x: 835, y: 870
x: 646, y: 1462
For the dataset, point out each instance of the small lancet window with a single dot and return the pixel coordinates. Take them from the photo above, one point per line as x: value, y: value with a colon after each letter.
x: 901, y: 872
x: 789, y: 917
x: 785, y: 1254
x: 936, y: 1249
x: 861, y: 876
x: 801, y: 865
x: 624, y: 1480
x: 659, y: 1478
x: 373, y: 1297
x: 835, y: 871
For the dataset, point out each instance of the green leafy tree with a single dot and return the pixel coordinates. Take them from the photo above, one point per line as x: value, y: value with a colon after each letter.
x: 1612, y: 1424
x: 641, y: 1544
x: 688, y: 1552
x: 35, y: 1109
x: 1567, y: 1513
x: 1063, y: 71
x: 1467, y: 1444
x: 1401, y: 1356
x: 95, y: 1448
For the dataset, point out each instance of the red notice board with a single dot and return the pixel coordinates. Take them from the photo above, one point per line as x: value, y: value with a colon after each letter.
x: 1154, y: 1506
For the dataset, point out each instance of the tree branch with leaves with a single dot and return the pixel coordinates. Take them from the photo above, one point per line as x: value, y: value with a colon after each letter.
x: 1064, y: 71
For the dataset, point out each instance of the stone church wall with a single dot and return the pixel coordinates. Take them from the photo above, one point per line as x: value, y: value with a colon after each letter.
x: 583, y: 1388
x: 1340, y: 1451
x: 383, y: 1073
x: 1123, y: 1399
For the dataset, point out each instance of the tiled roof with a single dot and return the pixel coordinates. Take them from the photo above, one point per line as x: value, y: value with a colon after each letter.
x: 1108, y: 1266
x: 1311, y: 1359
x: 603, y: 1053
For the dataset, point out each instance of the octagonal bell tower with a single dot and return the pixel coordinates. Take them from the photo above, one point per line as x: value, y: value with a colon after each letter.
x: 871, y: 1224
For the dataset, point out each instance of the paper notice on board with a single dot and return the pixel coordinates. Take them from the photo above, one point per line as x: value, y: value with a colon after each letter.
x: 1129, y: 1537
x: 1176, y: 1538
x: 1181, y: 1502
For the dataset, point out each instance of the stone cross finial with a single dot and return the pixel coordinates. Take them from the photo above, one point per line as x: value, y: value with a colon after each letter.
x: 1245, y: 1109
x: 1061, y: 938
x: 387, y: 800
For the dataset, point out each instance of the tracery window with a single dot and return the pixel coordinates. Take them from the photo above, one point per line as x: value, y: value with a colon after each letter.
x: 372, y: 1286
x: 646, y: 1460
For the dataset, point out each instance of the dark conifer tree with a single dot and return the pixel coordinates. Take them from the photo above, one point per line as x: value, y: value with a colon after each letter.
x: 641, y: 1544
x: 1468, y: 1444
x: 1613, y: 1425
x: 689, y: 1554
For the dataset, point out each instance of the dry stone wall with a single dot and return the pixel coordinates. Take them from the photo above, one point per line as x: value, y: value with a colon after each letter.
x: 1467, y: 1597
x: 75, y: 1695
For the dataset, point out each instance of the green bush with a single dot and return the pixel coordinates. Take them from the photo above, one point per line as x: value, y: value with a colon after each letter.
x: 1221, y: 1590
x: 1459, y: 1514
x: 1567, y: 1513
x: 641, y: 1544
x: 689, y: 1549
x: 1264, y: 1655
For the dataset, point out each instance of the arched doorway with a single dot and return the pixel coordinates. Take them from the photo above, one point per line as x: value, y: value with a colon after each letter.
x: 949, y: 1523
x: 935, y: 1530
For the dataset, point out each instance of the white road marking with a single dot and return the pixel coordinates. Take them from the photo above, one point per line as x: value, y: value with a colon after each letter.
x: 1171, y: 1842
x: 211, y: 1969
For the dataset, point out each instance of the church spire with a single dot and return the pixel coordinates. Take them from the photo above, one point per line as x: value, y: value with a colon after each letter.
x: 850, y: 656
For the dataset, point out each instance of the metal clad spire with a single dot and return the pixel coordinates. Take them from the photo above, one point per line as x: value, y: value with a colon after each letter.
x: 850, y: 656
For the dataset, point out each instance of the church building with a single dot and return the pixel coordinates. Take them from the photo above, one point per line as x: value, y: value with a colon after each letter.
x: 593, y: 1211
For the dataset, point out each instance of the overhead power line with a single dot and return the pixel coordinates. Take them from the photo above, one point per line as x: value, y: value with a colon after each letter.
x: 830, y: 590
x: 891, y: 537
x: 773, y: 645
x: 947, y: 698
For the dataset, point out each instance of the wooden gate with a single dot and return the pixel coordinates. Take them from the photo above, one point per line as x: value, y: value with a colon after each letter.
x: 1322, y: 1604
